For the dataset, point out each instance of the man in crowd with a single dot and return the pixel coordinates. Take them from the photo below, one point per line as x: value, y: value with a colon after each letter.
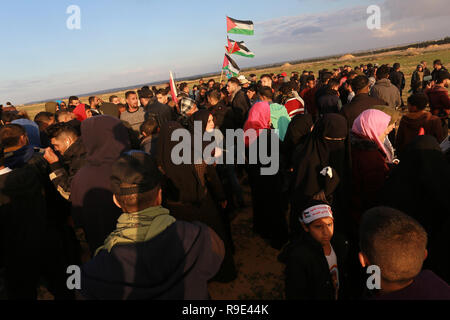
x: 114, y: 99
x: 383, y: 89
x: 397, y: 78
x: 239, y: 102
x: 361, y: 102
x: 64, y: 139
x: 439, y: 99
x: 134, y: 116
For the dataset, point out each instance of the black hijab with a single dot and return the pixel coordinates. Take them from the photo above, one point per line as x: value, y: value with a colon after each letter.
x: 297, y: 131
x: 327, y: 145
x: 182, y: 181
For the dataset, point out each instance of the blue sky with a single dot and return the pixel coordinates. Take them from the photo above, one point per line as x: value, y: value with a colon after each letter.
x: 124, y: 43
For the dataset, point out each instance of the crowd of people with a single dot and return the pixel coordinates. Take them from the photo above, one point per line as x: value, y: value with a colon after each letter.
x: 363, y: 181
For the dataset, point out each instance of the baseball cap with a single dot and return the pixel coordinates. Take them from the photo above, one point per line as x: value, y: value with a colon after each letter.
x: 137, y: 170
x: 315, y: 212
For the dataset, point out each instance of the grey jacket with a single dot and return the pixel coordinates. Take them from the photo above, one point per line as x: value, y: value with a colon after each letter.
x: 383, y: 89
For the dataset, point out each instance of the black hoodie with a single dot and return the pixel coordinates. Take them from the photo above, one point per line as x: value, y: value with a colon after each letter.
x: 105, y: 139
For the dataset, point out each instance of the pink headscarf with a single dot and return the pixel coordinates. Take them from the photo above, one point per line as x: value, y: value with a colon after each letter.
x: 258, y: 118
x: 372, y: 124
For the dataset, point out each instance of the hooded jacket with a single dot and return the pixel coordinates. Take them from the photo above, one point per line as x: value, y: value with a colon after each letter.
x: 411, y: 125
x: 174, y: 265
x: 105, y: 139
x: 62, y: 173
x: 383, y: 89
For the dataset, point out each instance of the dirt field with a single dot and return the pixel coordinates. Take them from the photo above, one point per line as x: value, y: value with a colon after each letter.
x: 408, y: 59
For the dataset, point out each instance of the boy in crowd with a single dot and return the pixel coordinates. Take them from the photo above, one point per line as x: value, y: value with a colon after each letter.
x: 417, y: 121
x: 397, y: 243
x: 316, y: 264
x: 172, y: 259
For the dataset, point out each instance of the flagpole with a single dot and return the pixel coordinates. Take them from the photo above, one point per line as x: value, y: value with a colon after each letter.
x: 221, y: 75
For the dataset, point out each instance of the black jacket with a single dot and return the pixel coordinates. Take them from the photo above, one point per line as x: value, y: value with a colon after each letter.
x: 240, y: 106
x: 307, y: 273
x: 398, y: 79
x: 360, y: 103
x: 62, y: 173
x: 223, y: 117
x: 329, y: 102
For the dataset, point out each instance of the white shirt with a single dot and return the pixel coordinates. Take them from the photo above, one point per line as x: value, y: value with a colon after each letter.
x: 332, y: 264
x: 5, y: 170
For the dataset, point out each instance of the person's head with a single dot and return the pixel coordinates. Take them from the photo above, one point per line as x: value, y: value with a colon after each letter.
x: 149, y: 127
x: 114, y: 99
x: 360, y: 84
x: 333, y: 84
x: 252, y: 77
x: 74, y: 101
x: 286, y: 88
x: 266, y: 80
x: 94, y: 101
x: 325, y: 77
x: 13, y: 137
x: 44, y: 119
x: 211, y: 83
x: 374, y: 125
x: 162, y: 96
x: 188, y: 107
x: 136, y: 182
x: 393, y: 241
x: 419, y: 68
x: 266, y: 93
x: 310, y: 82
x: 443, y: 78
x: 184, y: 87
x: 437, y: 64
x: 417, y: 102
x: 233, y: 85
x: 213, y: 97
x: 396, y: 66
x: 201, y: 82
x: 317, y: 220
x: 121, y: 108
x: 132, y: 100
x: 62, y: 136
x: 251, y: 91
x: 423, y: 63
x: 64, y: 116
x: 383, y: 72
x: 144, y: 96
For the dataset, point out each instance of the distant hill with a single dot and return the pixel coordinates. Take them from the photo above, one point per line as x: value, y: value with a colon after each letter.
x: 418, y: 45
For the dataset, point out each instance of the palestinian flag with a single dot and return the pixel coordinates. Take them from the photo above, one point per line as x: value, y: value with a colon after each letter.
x: 230, y: 66
x: 239, y: 48
x: 239, y: 26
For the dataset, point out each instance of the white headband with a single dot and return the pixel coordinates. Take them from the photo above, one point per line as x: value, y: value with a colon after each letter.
x: 316, y: 212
